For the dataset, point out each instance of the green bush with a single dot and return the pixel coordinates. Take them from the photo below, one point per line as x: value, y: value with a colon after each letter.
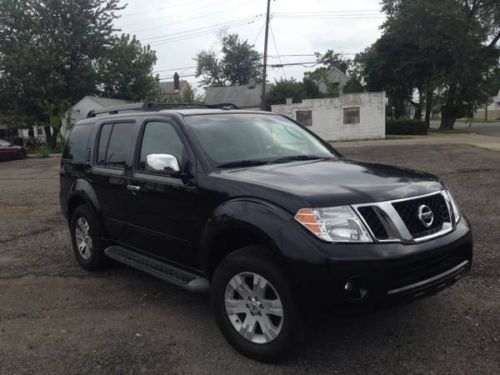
x: 406, y: 127
x: 43, y: 152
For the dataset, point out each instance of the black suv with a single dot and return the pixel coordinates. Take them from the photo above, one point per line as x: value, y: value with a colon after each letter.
x: 260, y: 210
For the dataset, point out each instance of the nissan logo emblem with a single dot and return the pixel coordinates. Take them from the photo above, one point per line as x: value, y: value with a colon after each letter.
x: 425, y: 215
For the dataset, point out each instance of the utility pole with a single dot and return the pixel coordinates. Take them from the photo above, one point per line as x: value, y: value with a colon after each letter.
x: 264, y: 67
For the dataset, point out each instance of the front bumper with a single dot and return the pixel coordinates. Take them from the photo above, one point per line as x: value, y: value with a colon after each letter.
x: 382, y: 272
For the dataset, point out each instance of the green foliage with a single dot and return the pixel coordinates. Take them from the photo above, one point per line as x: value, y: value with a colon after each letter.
x: 443, y: 48
x: 239, y: 63
x: 353, y: 85
x: 291, y: 88
x: 406, y: 127
x: 331, y: 59
x: 125, y: 71
x: 43, y: 152
x: 186, y: 96
x: 54, y: 52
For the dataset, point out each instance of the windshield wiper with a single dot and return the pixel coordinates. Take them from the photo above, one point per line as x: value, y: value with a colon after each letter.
x: 287, y: 159
x: 242, y: 163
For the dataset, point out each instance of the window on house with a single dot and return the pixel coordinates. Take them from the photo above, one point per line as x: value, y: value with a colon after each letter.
x: 351, y: 115
x: 304, y: 118
x: 39, y: 131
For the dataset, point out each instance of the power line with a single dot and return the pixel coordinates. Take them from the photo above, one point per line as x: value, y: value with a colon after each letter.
x: 180, y: 76
x: 188, y: 34
x: 189, y: 20
x: 174, y: 14
x: 161, y: 8
x: 174, y: 69
x: 277, y: 51
x: 258, y: 34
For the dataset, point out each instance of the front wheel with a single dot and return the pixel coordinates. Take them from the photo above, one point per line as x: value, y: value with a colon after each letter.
x: 254, y: 306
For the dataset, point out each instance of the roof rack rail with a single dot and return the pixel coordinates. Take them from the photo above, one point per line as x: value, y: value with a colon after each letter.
x: 153, y: 107
x: 146, y: 106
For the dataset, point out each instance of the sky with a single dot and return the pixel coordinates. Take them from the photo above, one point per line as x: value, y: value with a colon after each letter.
x: 178, y: 29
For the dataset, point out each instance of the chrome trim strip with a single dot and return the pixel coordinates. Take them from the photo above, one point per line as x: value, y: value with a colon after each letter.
x: 393, y: 222
x: 429, y: 280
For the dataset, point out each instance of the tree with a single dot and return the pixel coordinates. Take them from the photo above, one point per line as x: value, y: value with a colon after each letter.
x: 291, y: 88
x: 447, y: 47
x: 239, y: 63
x: 331, y: 59
x: 125, y: 71
x: 353, y: 85
x: 49, y: 54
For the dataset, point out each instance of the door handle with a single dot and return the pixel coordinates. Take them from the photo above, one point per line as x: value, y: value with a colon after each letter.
x: 133, y: 188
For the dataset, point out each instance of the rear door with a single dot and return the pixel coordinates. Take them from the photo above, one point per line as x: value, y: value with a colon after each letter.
x: 162, y: 213
x: 110, y: 173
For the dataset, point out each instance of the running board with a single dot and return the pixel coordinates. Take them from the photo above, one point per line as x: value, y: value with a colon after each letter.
x: 166, y: 272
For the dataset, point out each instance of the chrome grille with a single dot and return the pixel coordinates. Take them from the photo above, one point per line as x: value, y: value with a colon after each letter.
x: 408, y: 211
x: 398, y: 221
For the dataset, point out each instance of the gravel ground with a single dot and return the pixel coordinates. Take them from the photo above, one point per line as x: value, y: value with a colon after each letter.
x: 57, y: 318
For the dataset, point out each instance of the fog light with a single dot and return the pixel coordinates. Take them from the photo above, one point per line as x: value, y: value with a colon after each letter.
x: 354, y: 290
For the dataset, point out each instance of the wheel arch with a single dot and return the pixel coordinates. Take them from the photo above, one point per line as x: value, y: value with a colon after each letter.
x: 81, y: 192
x: 237, y: 224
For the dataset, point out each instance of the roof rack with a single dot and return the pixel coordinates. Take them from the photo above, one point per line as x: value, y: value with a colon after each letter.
x: 154, y: 107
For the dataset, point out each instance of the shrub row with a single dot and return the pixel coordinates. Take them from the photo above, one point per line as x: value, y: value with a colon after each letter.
x: 405, y: 127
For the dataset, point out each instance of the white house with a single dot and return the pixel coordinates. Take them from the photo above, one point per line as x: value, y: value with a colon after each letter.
x: 245, y: 96
x: 348, y: 117
x: 493, y: 109
x: 88, y: 103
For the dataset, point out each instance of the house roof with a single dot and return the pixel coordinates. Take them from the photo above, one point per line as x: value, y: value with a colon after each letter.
x: 107, y: 102
x: 242, y: 96
x: 167, y: 87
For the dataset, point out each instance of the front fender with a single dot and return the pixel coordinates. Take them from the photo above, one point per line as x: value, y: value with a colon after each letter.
x: 266, y: 220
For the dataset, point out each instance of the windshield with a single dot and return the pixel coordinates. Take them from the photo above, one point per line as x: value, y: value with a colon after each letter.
x: 4, y: 143
x: 251, y: 139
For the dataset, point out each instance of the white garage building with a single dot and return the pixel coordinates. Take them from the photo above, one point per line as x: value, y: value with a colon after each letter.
x: 348, y: 117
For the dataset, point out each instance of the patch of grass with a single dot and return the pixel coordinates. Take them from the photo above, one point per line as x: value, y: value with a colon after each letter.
x: 397, y: 137
x: 478, y: 121
x: 451, y: 131
x: 43, y: 152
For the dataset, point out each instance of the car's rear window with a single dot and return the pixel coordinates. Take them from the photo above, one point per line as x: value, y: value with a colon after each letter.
x: 76, y: 147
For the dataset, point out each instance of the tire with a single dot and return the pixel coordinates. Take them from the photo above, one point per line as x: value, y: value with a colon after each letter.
x: 85, y: 227
x: 270, y: 338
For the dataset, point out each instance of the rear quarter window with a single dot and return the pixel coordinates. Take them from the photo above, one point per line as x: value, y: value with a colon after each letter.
x: 76, y: 148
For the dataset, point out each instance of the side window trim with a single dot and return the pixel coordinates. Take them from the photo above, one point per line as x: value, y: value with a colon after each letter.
x: 139, y: 173
x: 95, y: 161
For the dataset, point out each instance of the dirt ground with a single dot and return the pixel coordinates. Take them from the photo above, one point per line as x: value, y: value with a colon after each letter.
x: 57, y: 318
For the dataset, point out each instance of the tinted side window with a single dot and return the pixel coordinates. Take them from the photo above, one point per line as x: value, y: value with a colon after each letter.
x: 160, y: 138
x: 103, y: 143
x: 77, y: 145
x: 115, y: 143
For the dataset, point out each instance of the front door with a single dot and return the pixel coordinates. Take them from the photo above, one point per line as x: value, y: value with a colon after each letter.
x: 162, y: 213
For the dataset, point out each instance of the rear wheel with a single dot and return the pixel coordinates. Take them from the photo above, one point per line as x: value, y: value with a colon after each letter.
x: 254, y: 306
x: 86, y: 239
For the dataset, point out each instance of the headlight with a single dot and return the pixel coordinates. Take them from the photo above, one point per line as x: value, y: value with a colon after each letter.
x: 454, y: 207
x: 334, y: 224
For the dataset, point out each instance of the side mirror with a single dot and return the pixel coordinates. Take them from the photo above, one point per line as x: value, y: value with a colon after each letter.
x: 163, y: 163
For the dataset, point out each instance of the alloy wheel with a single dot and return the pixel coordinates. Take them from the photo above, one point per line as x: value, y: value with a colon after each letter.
x: 83, y: 238
x: 254, y: 308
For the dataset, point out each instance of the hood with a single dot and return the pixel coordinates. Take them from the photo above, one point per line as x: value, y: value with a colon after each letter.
x: 336, y: 182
